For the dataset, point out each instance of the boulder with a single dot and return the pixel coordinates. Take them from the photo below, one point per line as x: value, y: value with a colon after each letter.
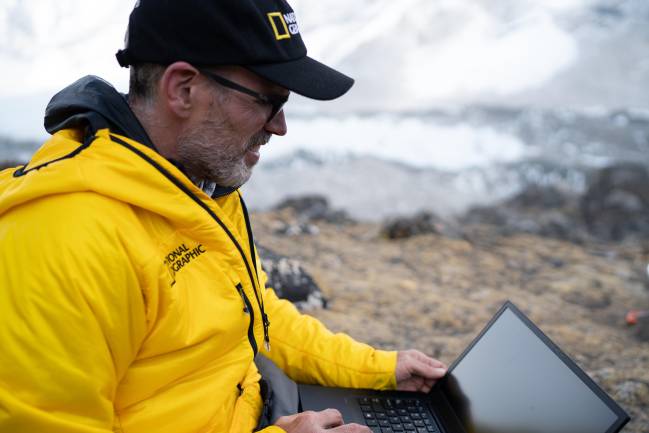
x: 616, y: 204
x: 537, y: 210
x: 419, y: 224
x: 290, y: 281
x: 314, y: 208
x: 539, y: 197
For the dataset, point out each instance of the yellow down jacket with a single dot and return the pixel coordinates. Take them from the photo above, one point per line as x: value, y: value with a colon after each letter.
x: 130, y: 301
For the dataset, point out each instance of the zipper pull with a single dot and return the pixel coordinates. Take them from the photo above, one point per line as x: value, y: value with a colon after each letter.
x: 243, y: 298
x: 266, y: 324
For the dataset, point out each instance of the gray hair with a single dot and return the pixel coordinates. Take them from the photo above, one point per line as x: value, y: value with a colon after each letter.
x: 143, y: 81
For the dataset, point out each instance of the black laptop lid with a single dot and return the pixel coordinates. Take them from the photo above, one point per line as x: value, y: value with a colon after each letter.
x: 513, y: 379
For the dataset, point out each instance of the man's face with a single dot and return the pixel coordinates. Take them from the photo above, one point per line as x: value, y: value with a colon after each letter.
x: 223, y: 144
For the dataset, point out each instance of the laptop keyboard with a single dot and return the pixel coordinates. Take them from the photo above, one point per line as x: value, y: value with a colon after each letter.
x: 395, y: 415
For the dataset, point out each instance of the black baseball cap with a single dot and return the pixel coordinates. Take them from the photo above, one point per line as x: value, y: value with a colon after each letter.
x: 260, y: 35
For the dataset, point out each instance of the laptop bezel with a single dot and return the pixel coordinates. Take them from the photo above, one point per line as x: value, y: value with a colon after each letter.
x: 622, y: 416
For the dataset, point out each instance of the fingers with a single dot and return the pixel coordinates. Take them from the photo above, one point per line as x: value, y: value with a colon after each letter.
x: 417, y: 372
x: 287, y: 419
x: 434, y: 362
x: 310, y: 421
x: 428, y: 385
x: 427, y: 370
x: 351, y: 428
x: 416, y: 384
x: 329, y: 418
x: 427, y: 359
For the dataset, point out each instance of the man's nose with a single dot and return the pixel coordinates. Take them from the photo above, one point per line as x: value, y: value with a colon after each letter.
x: 277, y: 125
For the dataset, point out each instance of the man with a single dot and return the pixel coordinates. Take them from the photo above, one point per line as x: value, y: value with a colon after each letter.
x: 132, y: 295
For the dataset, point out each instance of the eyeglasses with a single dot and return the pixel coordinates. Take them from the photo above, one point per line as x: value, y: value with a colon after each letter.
x: 276, y: 102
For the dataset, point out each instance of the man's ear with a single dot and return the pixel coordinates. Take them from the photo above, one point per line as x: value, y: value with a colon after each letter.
x: 178, y: 88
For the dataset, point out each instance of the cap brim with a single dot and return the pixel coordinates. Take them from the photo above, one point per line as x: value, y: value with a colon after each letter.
x: 306, y: 77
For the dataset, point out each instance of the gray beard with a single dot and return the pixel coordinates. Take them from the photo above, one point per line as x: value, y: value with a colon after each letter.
x: 208, y: 164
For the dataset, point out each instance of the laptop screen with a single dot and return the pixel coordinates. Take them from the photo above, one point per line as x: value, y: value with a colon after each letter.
x: 510, y: 381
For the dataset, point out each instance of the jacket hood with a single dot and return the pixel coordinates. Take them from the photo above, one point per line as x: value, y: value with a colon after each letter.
x: 93, y: 103
x: 98, y: 145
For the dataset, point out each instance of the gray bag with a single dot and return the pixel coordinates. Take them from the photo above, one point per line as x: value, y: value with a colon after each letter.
x: 278, y: 392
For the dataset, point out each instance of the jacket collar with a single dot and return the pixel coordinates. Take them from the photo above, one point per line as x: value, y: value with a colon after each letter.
x: 92, y: 104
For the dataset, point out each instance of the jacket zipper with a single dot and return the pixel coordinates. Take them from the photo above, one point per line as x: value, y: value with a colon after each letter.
x: 264, y: 317
x: 243, y: 298
x: 190, y: 194
x: 248, y: 310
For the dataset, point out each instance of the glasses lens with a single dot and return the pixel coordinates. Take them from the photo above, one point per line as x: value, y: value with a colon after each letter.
x: 274, y: 110
x: 277, y: 103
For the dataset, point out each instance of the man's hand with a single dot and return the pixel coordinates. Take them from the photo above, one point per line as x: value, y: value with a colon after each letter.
x: 315, y: 422
x: 417, y: 372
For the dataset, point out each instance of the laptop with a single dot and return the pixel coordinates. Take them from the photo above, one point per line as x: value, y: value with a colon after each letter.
x: 511, y: 379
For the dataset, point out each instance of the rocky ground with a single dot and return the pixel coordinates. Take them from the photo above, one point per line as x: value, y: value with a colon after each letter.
x: 437, y: 289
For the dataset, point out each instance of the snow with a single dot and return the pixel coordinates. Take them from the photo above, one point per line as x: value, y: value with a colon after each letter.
x: 480, y: 58
x: 467, y: 47
x: 337, y: 41
x: 412, y: 141
x: 564, y: 5
x: 441, y: 52
x: 46, y: 45
x: 410, y: 54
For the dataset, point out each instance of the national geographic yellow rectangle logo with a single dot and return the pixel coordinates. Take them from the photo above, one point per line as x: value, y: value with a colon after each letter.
x: 281, y: 30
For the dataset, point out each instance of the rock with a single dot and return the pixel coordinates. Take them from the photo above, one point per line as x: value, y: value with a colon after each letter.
x: 557, y: 263
x: 633, y: 392
x: 419, y: 224
x: 314, y: 208
x: 290, y: 281
x: 296, y: 229
x: 541, y: 211
x: 592, y: 298
x: 557, y: 225
x: 641, y: 328
x: 538, y: 197
x: 494, y: 216
x: 616, y: 204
